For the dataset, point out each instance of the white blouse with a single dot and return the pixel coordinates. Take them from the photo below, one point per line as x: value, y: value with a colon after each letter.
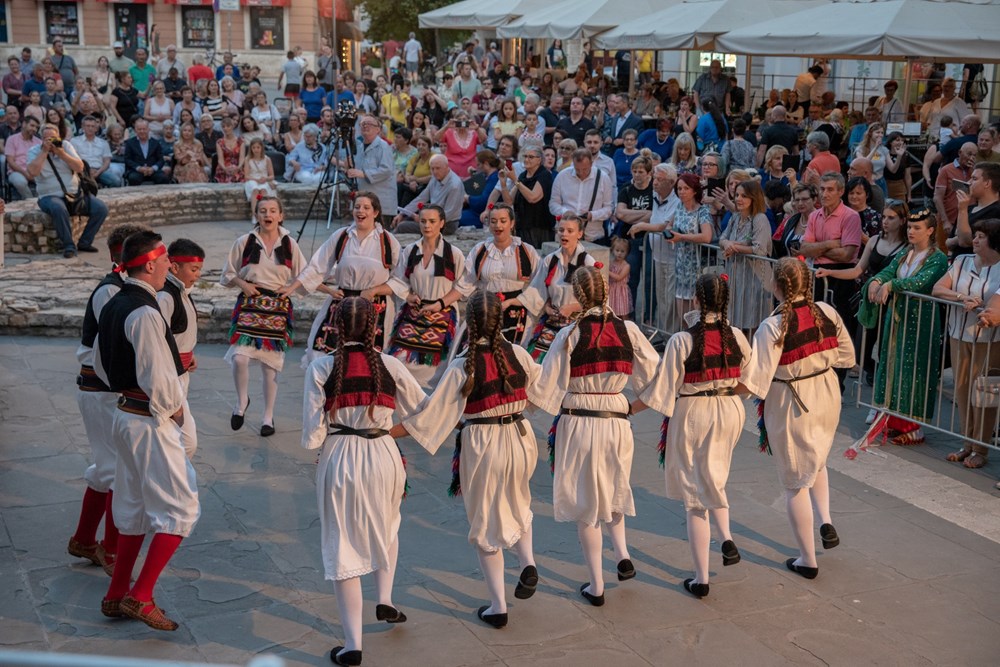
x: 422, y: 280
x: 560, y: 292
x: 499, y: 271
x: 266, y: 273
x: 361, y: 264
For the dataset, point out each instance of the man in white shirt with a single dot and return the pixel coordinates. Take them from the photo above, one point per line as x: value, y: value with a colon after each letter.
x: 169, y: 61
x: 413, y: 54
x: 96, y: 153
x: 585, y: 191
x: 665, y: 203
x: 592, y: 142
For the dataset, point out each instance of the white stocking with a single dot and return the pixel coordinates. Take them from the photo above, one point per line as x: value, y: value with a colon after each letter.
x: 492, y: 565
x: 820, y: 494
x: 720, y: 517
x: 591, y: 542
x: 524, y: 548
x: 384, y: 576
x: 800, y: 515
x: 241, y: 377
x: 699, y: 536
x: 350, y: 603
x: 616, y: 529
x: 270, y: 393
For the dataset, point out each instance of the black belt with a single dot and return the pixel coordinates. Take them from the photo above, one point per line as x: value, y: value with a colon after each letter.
x: 791, y: 386
x: 516, y: 418
x: 134, y: 402
x: 87, y: 380
x: 600, y: 414
x: 512, y: 295
x: 725, y: 391
x: 366, y: 433
x: 350, y: 292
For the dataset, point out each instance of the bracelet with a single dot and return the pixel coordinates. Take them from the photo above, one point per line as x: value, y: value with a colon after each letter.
x: 441, y: 301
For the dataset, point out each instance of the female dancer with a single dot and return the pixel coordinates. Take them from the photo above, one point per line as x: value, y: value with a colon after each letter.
x: 585, y: 371
x: 549, y: 297
x: 426, y: 325
x: 495, y: 450
x: 794, y: 350
x: 502, y: 265
x: 360, y: 478
x: 695, y: 388
x: 260, y: 264
x: 359, y: 261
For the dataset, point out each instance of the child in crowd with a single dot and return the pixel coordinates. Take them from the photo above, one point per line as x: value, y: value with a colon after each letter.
x: 947, y: 133
x: 619, y: 296
x: 530, y: 135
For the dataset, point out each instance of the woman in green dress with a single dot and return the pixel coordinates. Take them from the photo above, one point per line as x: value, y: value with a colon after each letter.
x: 910, y: 346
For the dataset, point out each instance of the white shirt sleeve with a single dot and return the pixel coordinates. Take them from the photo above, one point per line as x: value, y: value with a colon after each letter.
x: 315, y: 422
x: 155, y: 372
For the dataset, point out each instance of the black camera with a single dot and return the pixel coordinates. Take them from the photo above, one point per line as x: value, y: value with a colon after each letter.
x: 56, y: 142
x: 346, y: 115
x: 462, y: 123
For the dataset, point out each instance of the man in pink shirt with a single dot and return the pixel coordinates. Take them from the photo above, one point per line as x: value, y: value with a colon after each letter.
x: 832, y: 240
x: 823, y: 160
x: 16, y: 151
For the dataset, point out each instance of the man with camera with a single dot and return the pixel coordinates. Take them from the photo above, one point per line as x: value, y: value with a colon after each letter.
x: 374, y: 169
x: 55, y: 168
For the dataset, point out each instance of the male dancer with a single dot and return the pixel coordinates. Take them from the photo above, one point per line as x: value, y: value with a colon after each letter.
x: 97, y: 406
x: 135, y: 355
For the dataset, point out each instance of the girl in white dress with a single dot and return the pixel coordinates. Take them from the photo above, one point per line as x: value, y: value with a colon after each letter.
x: 349, y: 401
x: 495, y: 452
x: 695, y: 388
x: 425, y: 328
x: 585, y: 371
x: 358, y: 261
x: 261, y: 264
x: 794, y: 352
x: 258, y: 173
x: 549, y: 298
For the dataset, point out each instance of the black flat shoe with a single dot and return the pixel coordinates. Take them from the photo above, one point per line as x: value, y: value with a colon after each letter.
x: 345, y: 658
x: 730, y: 554
x: 626, y: 570
x: 384, y: 612
x: 87, y: 248
x: 802, y: 570
x: 697, y: 590
x: 596, y: 600
x: 69, y: 254
x: 829, y: 535
x: 496, y: 620
x: 266, y: 430
x: 526, y: 583
x: 236, y: 421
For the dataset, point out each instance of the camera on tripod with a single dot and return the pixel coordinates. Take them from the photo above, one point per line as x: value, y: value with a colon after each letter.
x: 345, y: 116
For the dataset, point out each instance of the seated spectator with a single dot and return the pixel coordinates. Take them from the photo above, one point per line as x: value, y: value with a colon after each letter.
x: 488, y: 165
x: 173, y: 85
x: 229, y: 152
x: 293, y: 136
x: 116, y: 144
x: 87, y: 103
x: 712, y: 127
x: 186, y: 103
x: 56, y: 116
x: 444, y: 189
x: 209, y: 138
x: 258, y: 173
x: 414, y: 176
x: 16, y: 151
x: 53, y: 98
x: 144, y: 157
x: 95, y: 151
x: 249, y: 130
x: 125, y: 99
x: 34, y: 107
x: 167, y: 143
x: 55, y: 170
x: 402, y: 149
x: 191, y: 164
x: 307, y: 161
x: 267, y: 117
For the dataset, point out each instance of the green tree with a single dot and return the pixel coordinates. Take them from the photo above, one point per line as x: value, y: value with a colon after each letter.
x: 396, y: 19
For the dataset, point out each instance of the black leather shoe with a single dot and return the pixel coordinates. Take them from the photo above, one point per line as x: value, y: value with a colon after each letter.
x: 345, y: 658
x: 69, y: 254
x: 596, y: 600
x: 86, y: 248
x: 829, y: 535
x: 730, y: 554
x: 236, y: 421
x: 626, y: 570
x: 496, y: 620
x: 697, y: 590
x: 384, y: 612
x: 266, y: 430
x: 526, y: 583
x: 802, y: 570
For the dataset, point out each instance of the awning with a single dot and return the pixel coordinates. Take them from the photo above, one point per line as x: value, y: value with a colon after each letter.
x: 180, y: 2
x: 570, y: 19
x: 348, y: 30
x: 343, y: 10
x: 265, y: 3
x: 477, y: 14
x: 129, y: 2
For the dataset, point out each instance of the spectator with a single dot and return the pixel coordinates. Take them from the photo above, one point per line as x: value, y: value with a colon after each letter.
x: 339, y: 93
x: 311, y: 96
x: 862, y: 167
x: 413, y: 55
x: 170, y: 62
x: 27, y: 64
x: 362, y: 100
x: 986, y: 141
x: 167, y: 143
x: 144, y: 161
x: 949, y: 104
x: 34, y: 107
x: 712, y: 85
x: 95, y: 151
x: 158, y: 109
x: 898, y: 180
x: 466, y: 85
x: 34, y: 84
x: 575, y: 125
x: 592, y: 142
x: 291, y: 138
x: 687, y: 117
x: 555, y: 57
x: 230, y: 153
x: 981, y: 203
x: 945, y: 200
x: 199, y: 71
x: 52, y: 98
x: 11, y: 124
x: 872, y: 115
x: 461, y: 138
x: 487, y: 165
x: 635, y: 205
x: 414, y: 177
x: 969, y: 128
x: 712, y: 129
x: 790, y: 236
x: 530, y: 198
x: 66, y: 67
x: 655, y: 295
x: 805, y: 84
x: 624, y: 156
x: 621, y: 120
x: 551, y: 115
x: 258, y: 173
x: 13, y: 81
x: 585, y: 191
x: 231, y: 94
x: 395, y: 107
x: 684, y: 157
x: 776, y: 196
x: 402, y: 150
x: 121, y: 62
x: 88, y: 103
x: 737, y: 97
x: 55, y: 170
x: 56, y: 116
x: 889, y: 106
x: 306, y: 162
x: 739, y: 153
x: 209, y: 138
x: 291, y: 73
x: 858, y: 197
x: 779, y: 133
x: 549, y: 159
x: 16, y: 150
x: 565, y: 154
x: 188, y: 103
x: 658, y: 140
x: 444, y: 189
x: 173, y: 84
x: 143, y: 74
x: 373, y: 168
x: 871, y: 147
x: 823, y: 161
x: 748, y: 233
x: 191, y: 164
x: 691, y: 227
x: 227, y: 67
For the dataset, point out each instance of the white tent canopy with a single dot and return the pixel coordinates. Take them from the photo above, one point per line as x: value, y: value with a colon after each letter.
x: 695, y: 24
x: 953, y: 30
x: 477, y: 14
x: 571, y: 19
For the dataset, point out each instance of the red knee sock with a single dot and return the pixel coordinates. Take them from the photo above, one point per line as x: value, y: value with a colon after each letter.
x: 110, y: 530
x: 161, y: 549
x: 128, y: 552
x: 90, y: 517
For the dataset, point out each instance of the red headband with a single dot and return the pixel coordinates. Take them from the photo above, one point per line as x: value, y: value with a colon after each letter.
x: 186, y: 259
x: 142, y: 259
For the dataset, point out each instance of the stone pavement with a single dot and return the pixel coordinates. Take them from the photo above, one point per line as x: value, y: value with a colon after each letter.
x: 916, y: 580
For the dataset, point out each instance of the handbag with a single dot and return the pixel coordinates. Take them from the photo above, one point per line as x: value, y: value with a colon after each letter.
x: 76, y: 203
x: 986, y: 390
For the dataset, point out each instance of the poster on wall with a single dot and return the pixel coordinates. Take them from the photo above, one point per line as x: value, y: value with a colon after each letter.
x: 267, y: 28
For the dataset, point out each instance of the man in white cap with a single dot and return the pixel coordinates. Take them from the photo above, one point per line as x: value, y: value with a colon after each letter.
x: 170, y: 61
x: 121, y: 62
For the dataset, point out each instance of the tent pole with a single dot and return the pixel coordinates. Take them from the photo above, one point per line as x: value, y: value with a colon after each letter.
x: 748, y: 84
x: 631, y: 75
x: 907, y: 80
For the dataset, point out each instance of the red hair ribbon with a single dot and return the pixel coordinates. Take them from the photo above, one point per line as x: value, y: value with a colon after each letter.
x: 352, y: 195
x: 259, y: 196
x: 725, y: 276
x: 420, y: 206
x: 801, y: 258
x: 489, y: 206
x: 186, y: 259
x: 500, y: 296
x: 142, y: 259
x: 598, y: 265
x: 558, y: 218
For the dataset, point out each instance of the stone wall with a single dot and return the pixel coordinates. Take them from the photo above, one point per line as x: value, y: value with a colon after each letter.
x: 28, y: 230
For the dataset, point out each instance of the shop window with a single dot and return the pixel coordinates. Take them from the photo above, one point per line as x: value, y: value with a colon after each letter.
x: 267, y: 28
x: 3, y: 21
x: 198, y: 27
x: 62, y: 20
x: 132, y: 27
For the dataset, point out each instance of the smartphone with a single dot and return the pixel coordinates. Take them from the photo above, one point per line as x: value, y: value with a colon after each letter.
x: 960, y: 186
x: 789, y: 162
x: 714, y: 183
x: 667, y: 234
x: 463, y: 123
x: 510, y: 165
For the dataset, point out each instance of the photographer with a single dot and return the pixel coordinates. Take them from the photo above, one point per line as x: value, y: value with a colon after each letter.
x: 55, y: 166
x: 374, y: 167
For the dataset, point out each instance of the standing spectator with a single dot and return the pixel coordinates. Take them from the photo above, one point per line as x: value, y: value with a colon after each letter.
x: 898, y: 179
x: 737, y: 98
x: 657, y: 294
x: 13, y: 81
x: 555, y: 57
x: 143, y: 74
x: 748, y: 233
x: 712, y: 85
x: 55, y: 170
x: 970, y: 93
x: 170, y: 62
x: 862, y: 167
x: 144, y: 161
x: 615, y: 127
x: 592, y: 142
x: 623, y: 158
x: 890, y: 106
x: 413, y: 55
x: 328, y: 66
x: 33, y: 84
x: 823, y: 161
x: 466, y: 85
x: 95, y: 151
x: 658, y: 140
x: 374, y: 169
x: 291, y: 74
x: 691, y: 227
x: 779, y: 133
x: 395, y: 107
x: 311, y: 96
x: 635, y: 205
x: 945, y: 200
x: 575, y: 126
x: 199, y: 71
x: 121, y: 62
x: 27, y: 63
x: 859, y: 198
x: 949, y: 104
x: 66, y: 67
x: 623, y: 68
x: 805, y: 84
x: 227, y: 61
x: 16, y: 150
x: 712, y: 127
x: 871, y: 147
x: 684, y: 157
x: 530, y: 198
x: 981, y: 203
x: 585, y: 191
x: 551, y: 115
x: 52, y: 98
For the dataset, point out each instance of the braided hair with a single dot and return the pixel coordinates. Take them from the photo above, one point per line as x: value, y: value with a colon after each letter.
x: 354, y: 320
x: 795, y: 280
x: 712, y: 292
x: 591, y: 289
x: 483, y: 319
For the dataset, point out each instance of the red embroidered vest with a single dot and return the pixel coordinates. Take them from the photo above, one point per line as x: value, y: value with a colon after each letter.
x: 358, y: 386
x: 711, y: 363
x: 801, y: 338
x: 488, y: 390
x: 597, y: 351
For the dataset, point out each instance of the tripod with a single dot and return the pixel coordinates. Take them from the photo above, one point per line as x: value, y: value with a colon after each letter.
x: 341, y: 139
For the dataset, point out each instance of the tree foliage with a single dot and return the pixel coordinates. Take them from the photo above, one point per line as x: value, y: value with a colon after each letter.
x: 395, y: 19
